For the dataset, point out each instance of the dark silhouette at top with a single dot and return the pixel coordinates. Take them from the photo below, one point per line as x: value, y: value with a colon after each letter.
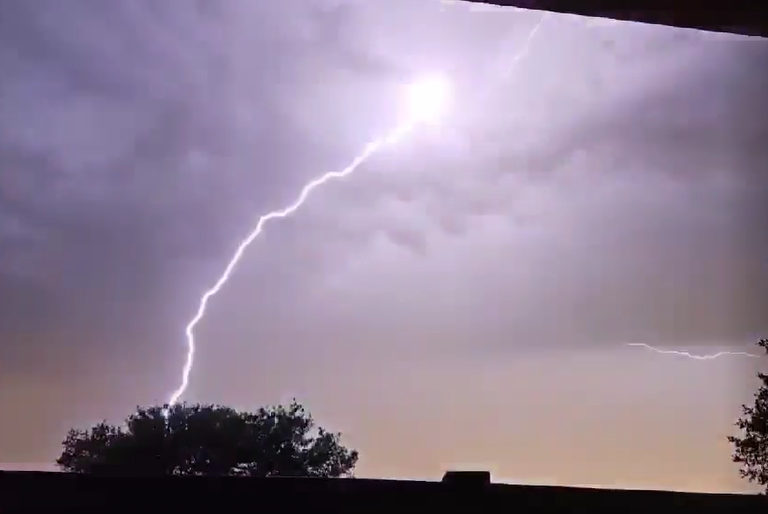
x: 735, y: 16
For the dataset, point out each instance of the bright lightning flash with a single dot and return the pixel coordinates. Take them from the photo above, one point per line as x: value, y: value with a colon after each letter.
x: 693, y: 356
x: 426, y: 100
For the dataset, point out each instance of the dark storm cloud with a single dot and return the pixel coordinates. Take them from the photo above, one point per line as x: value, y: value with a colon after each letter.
x: 131, y: 131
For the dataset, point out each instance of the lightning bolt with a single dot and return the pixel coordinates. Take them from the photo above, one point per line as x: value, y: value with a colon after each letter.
x: 370, y: 149
x: 705, y: 357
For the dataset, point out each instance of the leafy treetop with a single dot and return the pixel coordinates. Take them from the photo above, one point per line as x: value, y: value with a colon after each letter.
x: 751, y: 448
x: 209, y: 440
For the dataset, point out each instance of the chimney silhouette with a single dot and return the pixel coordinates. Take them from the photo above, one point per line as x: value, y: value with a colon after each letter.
x: 467, y: 479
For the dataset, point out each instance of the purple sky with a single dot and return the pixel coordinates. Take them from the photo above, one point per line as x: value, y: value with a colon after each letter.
x: 464, y: 300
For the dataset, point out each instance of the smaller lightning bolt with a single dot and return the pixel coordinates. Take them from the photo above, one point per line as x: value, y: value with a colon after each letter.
x: 693, y: 356
x: 509, y: 66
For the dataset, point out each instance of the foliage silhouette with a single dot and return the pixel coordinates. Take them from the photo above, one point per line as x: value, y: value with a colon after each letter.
x: 209, y: 440
x: 751, y: 449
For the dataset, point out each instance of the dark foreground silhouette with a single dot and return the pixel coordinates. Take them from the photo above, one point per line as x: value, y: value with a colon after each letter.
x: 58, y: 492
x: 734, y: 16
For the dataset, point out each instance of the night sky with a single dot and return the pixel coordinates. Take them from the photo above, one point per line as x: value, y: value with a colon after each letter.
x: 463, y: 301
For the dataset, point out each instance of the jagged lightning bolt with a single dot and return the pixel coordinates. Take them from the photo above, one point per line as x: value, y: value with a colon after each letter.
x: 705, y: 357
x: 425, y: 98
x: 371, y: 148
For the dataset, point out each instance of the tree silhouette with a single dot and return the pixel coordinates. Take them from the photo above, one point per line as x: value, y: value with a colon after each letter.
x: 751, y: 450
x: 209, y: 440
